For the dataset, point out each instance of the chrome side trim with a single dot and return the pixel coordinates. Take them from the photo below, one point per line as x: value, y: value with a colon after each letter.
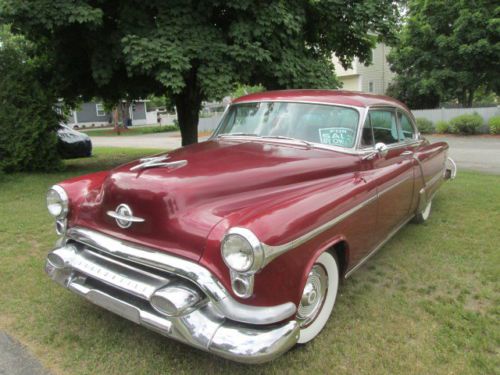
x: 223, y: 302
x: 272, y: 252
x: 377, y: 248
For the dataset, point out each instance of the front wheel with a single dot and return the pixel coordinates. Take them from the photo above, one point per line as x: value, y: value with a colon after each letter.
x: 318, y: 297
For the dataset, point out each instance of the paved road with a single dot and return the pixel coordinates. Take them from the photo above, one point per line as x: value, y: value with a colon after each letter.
x: 480, y: 153
x: 16, y: 360
x: 168, y: 140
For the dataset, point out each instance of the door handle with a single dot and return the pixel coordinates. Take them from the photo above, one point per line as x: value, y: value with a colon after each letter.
x: 405, y: 153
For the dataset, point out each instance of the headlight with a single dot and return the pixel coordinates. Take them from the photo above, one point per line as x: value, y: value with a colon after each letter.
x: 242, y: 251
x: 57, y: 202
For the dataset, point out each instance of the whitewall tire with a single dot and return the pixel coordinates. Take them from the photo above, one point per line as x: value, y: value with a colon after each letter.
x: 318, y: 297
x: 423, y: 216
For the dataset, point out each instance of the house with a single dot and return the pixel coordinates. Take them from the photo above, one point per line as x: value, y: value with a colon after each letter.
x: 374, y: 78
x: 93, y: 114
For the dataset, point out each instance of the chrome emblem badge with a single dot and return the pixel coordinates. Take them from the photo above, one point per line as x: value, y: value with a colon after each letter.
x: 124, y: 216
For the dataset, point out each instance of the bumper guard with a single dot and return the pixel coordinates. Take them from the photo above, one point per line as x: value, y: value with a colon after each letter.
x: 122, y: 278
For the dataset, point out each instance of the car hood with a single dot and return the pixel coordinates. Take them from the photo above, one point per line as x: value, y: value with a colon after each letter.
x: 203, y: 184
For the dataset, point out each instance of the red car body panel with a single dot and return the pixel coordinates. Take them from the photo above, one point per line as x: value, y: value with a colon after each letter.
x: 278, y: 190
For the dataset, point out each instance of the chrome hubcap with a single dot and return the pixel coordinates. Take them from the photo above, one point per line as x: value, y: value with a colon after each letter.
x: 313, y: 295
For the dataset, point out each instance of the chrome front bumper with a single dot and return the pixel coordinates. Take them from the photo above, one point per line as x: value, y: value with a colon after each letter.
x: 122, y: 277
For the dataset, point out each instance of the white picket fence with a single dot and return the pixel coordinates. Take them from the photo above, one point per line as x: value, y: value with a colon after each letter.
x: 446, y: 114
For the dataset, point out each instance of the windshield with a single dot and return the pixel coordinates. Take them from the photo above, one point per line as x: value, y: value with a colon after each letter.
x: 319, y: 123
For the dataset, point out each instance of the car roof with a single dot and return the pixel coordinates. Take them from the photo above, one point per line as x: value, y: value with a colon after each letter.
x: 349, y: 98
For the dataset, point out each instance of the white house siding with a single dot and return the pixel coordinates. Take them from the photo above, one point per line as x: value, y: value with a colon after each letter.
x: 378, y: 73
x: 351, y: 83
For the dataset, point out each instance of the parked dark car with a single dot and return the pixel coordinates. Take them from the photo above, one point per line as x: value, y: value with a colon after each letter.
x: 73, y: 144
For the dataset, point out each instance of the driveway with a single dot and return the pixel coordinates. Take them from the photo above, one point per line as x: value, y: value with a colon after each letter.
x: 16, y: 360
x: 168, y: 140
x: 479, y: 153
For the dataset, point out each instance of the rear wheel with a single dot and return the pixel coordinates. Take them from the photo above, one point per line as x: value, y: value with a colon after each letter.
x: 318, y: 297
x: 423, y: 216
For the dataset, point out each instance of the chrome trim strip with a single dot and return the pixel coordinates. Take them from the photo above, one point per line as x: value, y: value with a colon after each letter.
x: 223, y: 302
x: 433, y: 180
x: 389, y: 188
x: 133, y: 219
x: 377, y: 248
x: 272, y: 252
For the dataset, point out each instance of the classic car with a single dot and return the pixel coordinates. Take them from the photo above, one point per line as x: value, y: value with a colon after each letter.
x: 237, y: 245
x: 73, y: 144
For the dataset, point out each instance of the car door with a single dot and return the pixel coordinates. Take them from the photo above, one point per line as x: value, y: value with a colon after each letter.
x: 393, y: 172
x: 428, y: 159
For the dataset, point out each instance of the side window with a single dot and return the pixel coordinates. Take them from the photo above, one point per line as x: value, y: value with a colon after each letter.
x: 408, y: 132
x: 384, y: 126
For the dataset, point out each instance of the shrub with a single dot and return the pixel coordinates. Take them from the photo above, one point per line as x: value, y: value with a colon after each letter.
x: 28, y: 121
x: 442, y: 127
x: 494, y: 125
x: 424, y: 126
x: 466, y: 124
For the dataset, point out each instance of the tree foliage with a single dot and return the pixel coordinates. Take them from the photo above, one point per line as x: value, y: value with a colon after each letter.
x: 448, y: 48
x: 197, y: 50
x: 28, y: 122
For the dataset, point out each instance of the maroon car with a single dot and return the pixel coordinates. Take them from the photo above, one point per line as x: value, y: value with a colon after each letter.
x: 237, y: 245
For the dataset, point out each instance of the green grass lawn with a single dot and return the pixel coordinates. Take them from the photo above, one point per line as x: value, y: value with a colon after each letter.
x: 110, y: 132
x: 427, y: 303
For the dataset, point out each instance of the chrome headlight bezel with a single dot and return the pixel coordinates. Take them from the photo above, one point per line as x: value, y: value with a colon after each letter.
x: 61, y: 199
x: 254, y: 249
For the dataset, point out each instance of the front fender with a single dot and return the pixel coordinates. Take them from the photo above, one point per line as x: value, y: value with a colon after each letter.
x: 295, y: 213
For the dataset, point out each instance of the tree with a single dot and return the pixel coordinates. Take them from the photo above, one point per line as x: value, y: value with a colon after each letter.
x: 28, y: 120
x: 450, y: 48
x: 414, y: 93
x: 193, y: 50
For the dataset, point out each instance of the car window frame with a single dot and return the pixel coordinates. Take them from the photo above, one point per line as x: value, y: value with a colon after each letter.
x: 379, y: 108
x: 416, y: 134
x: 364, y: 149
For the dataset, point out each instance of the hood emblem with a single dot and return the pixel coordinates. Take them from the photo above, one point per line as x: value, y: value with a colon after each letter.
x: 124, y: 216
x: 158, y: 161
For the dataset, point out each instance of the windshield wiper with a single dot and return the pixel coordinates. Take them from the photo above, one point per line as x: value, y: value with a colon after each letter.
x: 287, y: 138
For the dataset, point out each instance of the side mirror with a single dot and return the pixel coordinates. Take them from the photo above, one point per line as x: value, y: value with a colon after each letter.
x: 382, y: 149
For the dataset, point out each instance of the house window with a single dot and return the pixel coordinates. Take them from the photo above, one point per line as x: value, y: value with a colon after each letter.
x: 370, y: 86
x: 99, y: 110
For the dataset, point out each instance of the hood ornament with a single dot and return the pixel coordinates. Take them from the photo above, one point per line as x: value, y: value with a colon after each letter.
x: 124, y: 216
x: 157, y: 161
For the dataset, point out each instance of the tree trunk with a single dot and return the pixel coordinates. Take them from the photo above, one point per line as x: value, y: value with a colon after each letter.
x: 124, y: 109
x: 115, y: 120
x: 188, y: 104
x: 470, y: 98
